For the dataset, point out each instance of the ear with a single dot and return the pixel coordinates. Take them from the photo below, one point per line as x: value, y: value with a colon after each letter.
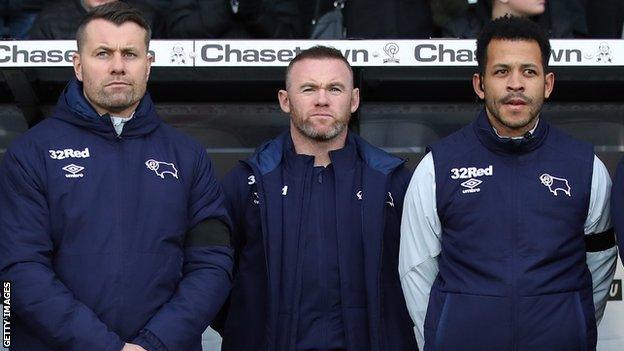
x: 77, y: 66
x: 150, y: 59
x: 549, y: 84
x: 477, y: 85
x: 282, y: 97
x: 355, y: 99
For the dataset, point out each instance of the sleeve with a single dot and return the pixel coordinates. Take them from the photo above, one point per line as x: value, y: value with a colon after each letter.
x: 234, y: 182
x: 617, y: 206
x: 420, y: 244
x: 40, y: 299
x: 600, y: 245
x: 198, y: 19
x: 207, y: 271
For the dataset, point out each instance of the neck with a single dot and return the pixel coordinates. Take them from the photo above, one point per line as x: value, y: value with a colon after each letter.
x: 500, y: 10
x: 507, y: 132
x: 319, y: 149
x: 125, y: 113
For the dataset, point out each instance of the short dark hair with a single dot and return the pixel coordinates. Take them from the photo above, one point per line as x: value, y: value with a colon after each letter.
x: 514, y: 29
x: 318, y: 52
x: 117, y: 12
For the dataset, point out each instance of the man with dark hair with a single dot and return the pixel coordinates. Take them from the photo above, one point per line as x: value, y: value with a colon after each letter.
x: 316, y: 215
x: 113, y: 231
x: 506, y: 238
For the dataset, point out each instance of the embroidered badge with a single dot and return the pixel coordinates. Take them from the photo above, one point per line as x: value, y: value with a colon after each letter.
x: 555, y: 184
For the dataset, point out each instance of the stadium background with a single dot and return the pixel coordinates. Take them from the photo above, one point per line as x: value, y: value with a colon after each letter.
x: 414, y: 92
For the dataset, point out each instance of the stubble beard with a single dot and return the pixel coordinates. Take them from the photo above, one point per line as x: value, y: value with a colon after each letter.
x: 494, y: 107
x: 309, y: 131
x: 114, y: 102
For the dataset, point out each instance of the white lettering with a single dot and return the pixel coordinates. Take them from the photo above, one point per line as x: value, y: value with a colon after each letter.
x: 471, y: 172
x: 69, y: 153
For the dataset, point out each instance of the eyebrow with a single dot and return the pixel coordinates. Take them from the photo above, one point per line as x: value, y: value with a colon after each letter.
x: 522, y: 65
x: 314, y: 84
x: 108, y: 48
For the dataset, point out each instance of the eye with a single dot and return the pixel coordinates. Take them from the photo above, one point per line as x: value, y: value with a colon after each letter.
x: 530, y: 72
x: 130, y: 55
x: 500, y: 72
x: 102, y: 54
x: 335, y: 90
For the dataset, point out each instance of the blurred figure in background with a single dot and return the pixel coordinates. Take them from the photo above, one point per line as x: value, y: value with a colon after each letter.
x: 60, y: 19
x: 195, y: 19
x: 605, y: 19
x: 17, y: 16
x: 560, y: 18
x: 371, y: 19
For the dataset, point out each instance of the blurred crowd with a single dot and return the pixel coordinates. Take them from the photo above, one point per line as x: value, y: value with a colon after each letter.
x: 328, y: 19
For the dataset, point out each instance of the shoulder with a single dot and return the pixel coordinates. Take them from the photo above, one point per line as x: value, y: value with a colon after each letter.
x: 183, y: 142
x: 41, y: 135
x: 566, y: 145
x: 376, y: 158
x: 455, y: 145
x: 239, y: 178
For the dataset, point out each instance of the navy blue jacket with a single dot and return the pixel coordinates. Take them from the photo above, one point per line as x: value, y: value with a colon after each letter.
x: 104, y: 238
x: 259, y: 317
x: 617, y: 206
x: 512, y: 269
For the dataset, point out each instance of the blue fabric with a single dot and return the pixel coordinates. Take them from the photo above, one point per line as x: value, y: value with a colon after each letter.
x: 264, y: 311
x: 617, y: 206
x: 512, y: 270
x: 320, y: 322
x: 96, y: 252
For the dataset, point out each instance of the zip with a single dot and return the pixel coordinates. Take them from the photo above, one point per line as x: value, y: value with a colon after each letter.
x: 514, y: 244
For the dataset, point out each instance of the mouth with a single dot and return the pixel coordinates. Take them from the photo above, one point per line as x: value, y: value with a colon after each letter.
x: 117, y: 84
x: 322, y: 115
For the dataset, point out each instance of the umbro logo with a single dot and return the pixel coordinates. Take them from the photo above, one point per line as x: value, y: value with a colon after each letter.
x: 471, y: 186
x: 73, y: 171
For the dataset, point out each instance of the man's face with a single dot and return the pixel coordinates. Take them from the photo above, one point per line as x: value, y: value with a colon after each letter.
x: 514, y: 85
x: 319, y: 98
x: 526, y: 8
x: 113, y: 66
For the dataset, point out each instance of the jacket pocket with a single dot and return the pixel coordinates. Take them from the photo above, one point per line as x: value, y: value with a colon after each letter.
x: 553, y: 322
x: 473, y: 323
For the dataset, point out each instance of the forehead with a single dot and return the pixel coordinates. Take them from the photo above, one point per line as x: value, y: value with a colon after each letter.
x: 502, y: 51
x: 324, y: 69
x: 102, y: 32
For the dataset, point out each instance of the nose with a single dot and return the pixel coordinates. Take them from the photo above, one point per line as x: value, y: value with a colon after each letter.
x: 515, y: 81
x: 117, y: 65
x: 321, y: 98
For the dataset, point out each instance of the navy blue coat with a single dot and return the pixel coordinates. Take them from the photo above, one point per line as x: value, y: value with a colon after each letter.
x: 512, y: 270
x: 95, y: 228
x: 259, y: 318
x: 617, y: 206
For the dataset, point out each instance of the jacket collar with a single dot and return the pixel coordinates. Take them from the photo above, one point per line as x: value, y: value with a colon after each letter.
x: 72, y: 107
x: 270, y: 155
x: 488, y: 137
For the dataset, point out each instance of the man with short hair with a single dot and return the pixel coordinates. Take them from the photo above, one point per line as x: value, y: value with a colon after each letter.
x: 316, y: 214
x: 112, y: 226
x: 506, y: 238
